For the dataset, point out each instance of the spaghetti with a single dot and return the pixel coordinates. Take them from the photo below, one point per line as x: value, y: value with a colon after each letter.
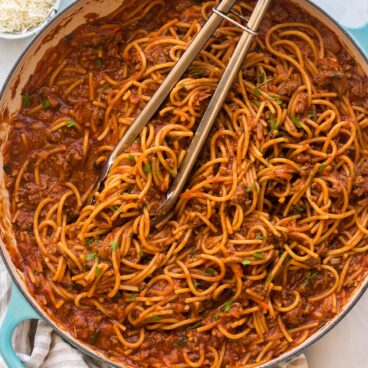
x: 269, y: 239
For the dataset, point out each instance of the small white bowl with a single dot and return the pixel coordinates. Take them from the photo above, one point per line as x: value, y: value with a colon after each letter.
x: 32, y: 31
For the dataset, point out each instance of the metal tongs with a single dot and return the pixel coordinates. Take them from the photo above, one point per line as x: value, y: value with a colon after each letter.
x: 215, y: 105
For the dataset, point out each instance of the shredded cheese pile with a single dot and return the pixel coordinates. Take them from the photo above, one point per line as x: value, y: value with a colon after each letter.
x: 22, y: 15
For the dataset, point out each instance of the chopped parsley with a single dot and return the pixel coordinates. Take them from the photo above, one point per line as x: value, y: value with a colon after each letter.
x: 155, y: 318
x: 259, y: 236
x: 227, y: 305
x: 262, y: 81
x: 277, y: 100
x: 246, y: 262
x: 89, y: 241
x: 257, y: 92
x: 97, y: 270
x: 117, y: 296
x: 268, y: 278
x: 310, y: 277
x: 298, y: 208
x: 114, y: 245
x: 93, y: 338
x: 321, y: 168
x: 258, y: 255
x: 147, y: 168
x: 256, y: 102
x: 91, y: 256
x: 248, y: 189
x: 272, y: 123
x: 98, y: 63
x: 114, y: 208
x: 71, y: 123
x: 26, y: 100
x: 209, y: 271
x: 132, y: 298
x: 262, y: 78
x: 311, y: 115
x: 296, y: 121
x: 131, y: 158
x: 196, y: 325
x: 46, y: 104
x: 197, y: 73
x: 181, y: 342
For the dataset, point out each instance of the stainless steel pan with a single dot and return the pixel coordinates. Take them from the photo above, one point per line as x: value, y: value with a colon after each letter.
x: 22, y: 305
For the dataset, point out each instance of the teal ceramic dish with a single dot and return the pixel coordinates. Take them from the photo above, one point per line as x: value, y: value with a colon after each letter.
x: 22, y: 305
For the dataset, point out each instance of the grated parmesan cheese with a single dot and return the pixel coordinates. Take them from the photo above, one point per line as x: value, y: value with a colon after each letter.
x: 22, y: 15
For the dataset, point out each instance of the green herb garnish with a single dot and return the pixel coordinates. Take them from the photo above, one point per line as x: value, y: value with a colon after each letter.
x: 296, y: 121
x: 131, y: 158
x: 26, y: 100
x: 91, y: 256
x: 89, y: 241
x: 248, y: 189
x: 277, y: 100
x: 181, y: 342
x: 117, y: 296
x: 98, y: 63
x: 311, y: 115
x: 310, y: 277
x: 97, y: 270
x: 114, y: 208
x: 114, y: 245
x: 209, y: 271
x: 261, y: 78
x: 92, y: 339
x: 259, y: 236
x: 46, y: 104
x: 197, y: 73
x: 246, y: 262
x: 262, y: 81
x: 71, y: 123
x: 155, y: 318
x: 196, y: 325
x: 268, y: 278
x: 321, y: 168
x: 227, y: 305
x: 298, y: 208
x: 272, y: 123
x: 147, y: 168
x: 132, y: 298
x: 257, y: 92
x: 258, y: 255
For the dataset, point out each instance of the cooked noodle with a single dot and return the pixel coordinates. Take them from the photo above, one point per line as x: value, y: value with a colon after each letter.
x: 268, y: 240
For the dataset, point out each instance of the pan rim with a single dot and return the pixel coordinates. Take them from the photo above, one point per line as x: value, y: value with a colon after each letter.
x: 89, y: 350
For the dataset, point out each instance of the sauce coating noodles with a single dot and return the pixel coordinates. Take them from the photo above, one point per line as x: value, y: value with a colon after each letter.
x: 269, y: 239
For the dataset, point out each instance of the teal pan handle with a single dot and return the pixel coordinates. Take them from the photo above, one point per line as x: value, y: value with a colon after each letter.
x: 18, y: 310
x: 360, y: 36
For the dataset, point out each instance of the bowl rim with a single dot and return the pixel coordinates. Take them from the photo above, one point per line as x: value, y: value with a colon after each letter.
x: 103, y: 357
x: 32, y: 31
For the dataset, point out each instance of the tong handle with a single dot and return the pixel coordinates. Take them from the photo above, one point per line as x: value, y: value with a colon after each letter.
x: 168, y: 84
x: 213, y: 108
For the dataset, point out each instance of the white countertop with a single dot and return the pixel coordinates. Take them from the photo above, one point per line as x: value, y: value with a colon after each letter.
x: 346, y: 346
